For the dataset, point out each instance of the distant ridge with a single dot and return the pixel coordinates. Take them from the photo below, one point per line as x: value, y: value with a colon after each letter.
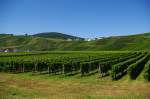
x: 55, y: 41
x: 56, y: 35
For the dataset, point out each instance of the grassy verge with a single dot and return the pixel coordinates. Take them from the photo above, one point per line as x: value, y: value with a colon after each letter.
x: 28, y: 86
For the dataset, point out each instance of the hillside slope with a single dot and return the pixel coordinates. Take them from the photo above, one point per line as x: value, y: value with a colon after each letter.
x: 132, y: 42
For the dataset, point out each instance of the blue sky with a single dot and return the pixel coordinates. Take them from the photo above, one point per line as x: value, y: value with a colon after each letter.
x: 84, y: 18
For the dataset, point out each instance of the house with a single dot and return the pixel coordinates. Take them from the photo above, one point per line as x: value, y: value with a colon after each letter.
x: 9, y: 49
x: 6, y: 50
x: 69, y: 39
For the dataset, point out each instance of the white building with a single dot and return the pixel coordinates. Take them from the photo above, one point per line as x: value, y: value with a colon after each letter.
x: 69, y: 39
x: 6, y: 50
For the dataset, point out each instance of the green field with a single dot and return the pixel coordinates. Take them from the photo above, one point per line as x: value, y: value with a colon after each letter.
x: 75, y: 75
x: 28, y: 86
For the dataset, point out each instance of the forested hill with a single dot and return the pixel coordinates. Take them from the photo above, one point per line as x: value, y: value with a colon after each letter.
x: 60, y: 41
x: 56, y: 35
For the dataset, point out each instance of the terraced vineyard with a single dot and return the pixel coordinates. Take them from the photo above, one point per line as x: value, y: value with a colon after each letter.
x: 114, y: 64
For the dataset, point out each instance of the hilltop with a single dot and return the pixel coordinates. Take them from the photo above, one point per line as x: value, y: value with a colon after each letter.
x: 56, y: 35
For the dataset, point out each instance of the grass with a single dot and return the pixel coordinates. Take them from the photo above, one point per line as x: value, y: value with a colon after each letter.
x: 28, y: 86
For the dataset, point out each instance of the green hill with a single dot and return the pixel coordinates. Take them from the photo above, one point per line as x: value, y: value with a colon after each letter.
x: 47, y: 41
x: 56, y: 35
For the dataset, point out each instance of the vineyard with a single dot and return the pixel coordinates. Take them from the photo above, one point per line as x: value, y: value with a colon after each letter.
x: 113, y: 64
